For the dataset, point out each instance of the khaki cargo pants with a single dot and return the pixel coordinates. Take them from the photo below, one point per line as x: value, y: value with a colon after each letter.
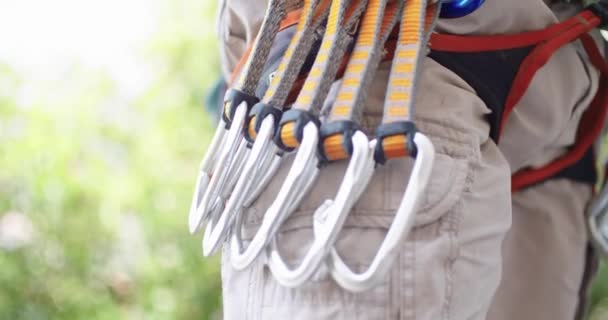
x: 477, y: 251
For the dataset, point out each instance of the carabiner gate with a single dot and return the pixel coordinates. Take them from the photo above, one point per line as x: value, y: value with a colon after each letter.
x: 330, y: 219
x: 296, y: 186
x: 225, y: 168
x: 215, y: 233
x: 400, y: 227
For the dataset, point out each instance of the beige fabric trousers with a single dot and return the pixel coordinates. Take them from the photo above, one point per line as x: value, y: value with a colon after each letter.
x: 476, y: 251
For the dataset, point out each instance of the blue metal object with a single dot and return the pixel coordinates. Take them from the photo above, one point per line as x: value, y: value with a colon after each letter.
x: 459, y: 8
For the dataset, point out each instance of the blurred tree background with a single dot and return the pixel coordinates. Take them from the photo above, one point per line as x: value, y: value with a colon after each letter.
x: 98, y: 162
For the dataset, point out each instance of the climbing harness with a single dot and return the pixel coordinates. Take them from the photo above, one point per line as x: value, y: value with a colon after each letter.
x: 347, y: 40
x: 517, y: 58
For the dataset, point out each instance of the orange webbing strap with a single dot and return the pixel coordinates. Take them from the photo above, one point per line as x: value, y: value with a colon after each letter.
x: 343, y: 17
x: 377, y: 24
x: 313, y: 14
x: 394, y: 132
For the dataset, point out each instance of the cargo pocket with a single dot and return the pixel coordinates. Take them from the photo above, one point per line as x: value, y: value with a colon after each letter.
x: 364, y: 231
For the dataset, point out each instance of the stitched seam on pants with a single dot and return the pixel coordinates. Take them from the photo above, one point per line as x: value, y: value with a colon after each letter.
x: 408, y: 282
x: 250, y: 303
x: 449, y: 223
x: 453, y: 221
x: 395, y: 290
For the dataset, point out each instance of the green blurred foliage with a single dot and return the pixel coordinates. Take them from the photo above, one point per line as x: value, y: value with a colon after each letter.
x: 599, y: 295
x: 100, y: 190
x: 104, y: 185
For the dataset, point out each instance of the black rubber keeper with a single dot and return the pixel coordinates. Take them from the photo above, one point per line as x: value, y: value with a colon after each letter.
x: 347, y: 128
x: 406, y: 128
x: 235, y: 98
x: 260, y: 110
x: 301, y: 119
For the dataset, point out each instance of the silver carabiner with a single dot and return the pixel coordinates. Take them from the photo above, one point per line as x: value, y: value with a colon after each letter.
x: 272, y: 163
x: 597, y: 221
x: 296, y: 186
x: 216, y: 232
x: 330, y: 219
x: 224, y: 167
x: 206, y: 169
x: 400, y: 227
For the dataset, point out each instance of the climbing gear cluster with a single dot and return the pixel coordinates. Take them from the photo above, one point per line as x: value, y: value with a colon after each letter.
x: 256, y: 132
x: 267, y: 116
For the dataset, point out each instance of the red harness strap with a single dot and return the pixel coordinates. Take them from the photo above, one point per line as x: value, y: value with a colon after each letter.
x: 546, y: 42
x: 589, y: 128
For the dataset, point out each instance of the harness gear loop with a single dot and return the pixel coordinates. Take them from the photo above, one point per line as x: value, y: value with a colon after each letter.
x: 342, y: 15
x: 241, y: 97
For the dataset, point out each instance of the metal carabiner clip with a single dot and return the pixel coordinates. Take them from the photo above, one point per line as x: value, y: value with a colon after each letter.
x: 257, y: 162
x: 295, y: 187
x: 328, y: 219
x: 400, y: 227
x: 597, y: 221
x: 232, y: 150
x: 206, y: 169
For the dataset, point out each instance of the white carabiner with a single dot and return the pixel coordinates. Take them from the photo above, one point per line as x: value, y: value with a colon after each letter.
x: 272, y: 163
x: 330, y: 219
x: 296, y: 186
x: 206, y: 169
x: 216, y: 231
x: 224, y: 165
x: 597, y: 221
x: 400, y: 227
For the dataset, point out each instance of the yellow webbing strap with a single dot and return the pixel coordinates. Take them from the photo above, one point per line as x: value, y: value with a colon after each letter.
x: 376, y: 26
x: 400, y: 95
x: 343, y: 17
